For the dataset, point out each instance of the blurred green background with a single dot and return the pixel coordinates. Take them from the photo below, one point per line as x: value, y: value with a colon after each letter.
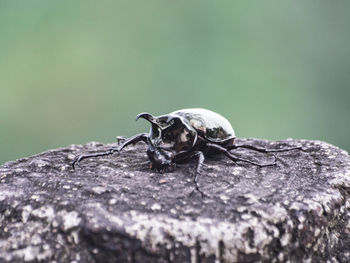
x: 76, y: 71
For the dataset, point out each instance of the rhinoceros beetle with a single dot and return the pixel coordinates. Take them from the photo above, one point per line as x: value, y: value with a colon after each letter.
x: 183, y: 135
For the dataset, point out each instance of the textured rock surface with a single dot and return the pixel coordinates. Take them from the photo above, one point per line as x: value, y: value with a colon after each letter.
x: 116, y: 209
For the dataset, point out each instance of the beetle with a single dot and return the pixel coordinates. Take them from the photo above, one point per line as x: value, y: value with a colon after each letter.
x: 183, y: 135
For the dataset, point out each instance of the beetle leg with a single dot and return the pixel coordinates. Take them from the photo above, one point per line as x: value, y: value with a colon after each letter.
x: 200, y: 161
x: 84, y: 156
x: 233, y: 158
x: 232, y: 147
x: 132, y: 140
x: 135, y: 139
x: 121, y: 139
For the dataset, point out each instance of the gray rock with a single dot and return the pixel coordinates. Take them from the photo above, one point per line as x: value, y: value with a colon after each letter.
x: 116, y: 209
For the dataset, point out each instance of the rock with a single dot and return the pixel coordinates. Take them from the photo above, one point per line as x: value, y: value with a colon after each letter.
x: 116, y: 209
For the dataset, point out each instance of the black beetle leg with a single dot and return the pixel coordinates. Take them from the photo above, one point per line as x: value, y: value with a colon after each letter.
x: 84, y: 156
x: 184, y: 155
x: 233, y: 158
x: 132, y: 140
x: 121, y: 139
x: 232, y: 147
x: 135, y: 139
x: 200, y: 161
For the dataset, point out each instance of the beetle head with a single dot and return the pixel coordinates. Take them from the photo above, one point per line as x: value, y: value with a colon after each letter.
x: 158, y: 125
x: 160, y: 159
x: 170, y: 132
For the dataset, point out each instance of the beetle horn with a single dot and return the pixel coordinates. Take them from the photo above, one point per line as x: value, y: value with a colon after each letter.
x: 146, y: 116
x: 170, y: 118
x: 179, y: 120
x: 155, y: 130
x: 173, y: 120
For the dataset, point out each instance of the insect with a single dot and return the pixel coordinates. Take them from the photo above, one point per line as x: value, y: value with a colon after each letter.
x: 183, y: 135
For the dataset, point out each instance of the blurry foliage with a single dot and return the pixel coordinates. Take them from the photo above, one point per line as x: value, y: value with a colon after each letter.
x: 76, y: 71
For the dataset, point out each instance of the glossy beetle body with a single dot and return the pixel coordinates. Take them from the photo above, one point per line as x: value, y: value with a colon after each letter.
x: 186, y: 134
x: 208, y: 124
x: 177, y: 134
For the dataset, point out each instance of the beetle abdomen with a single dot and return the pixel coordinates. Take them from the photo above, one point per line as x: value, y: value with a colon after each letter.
x: 212, y: 126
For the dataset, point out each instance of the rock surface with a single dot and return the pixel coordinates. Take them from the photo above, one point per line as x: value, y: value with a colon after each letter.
x: 116, y: 209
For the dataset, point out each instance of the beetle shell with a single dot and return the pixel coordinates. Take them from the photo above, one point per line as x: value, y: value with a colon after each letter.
x: 211, y: 125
